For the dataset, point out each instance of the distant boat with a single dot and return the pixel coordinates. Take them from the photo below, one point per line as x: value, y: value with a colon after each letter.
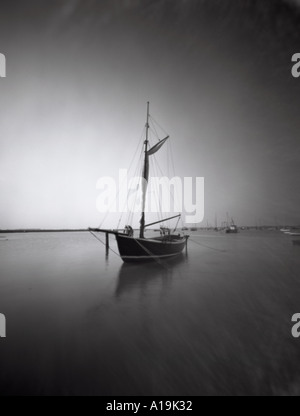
x: 231, y: 227
x: 143, y: 249
x: 216, y: 224
x: 293, y: 234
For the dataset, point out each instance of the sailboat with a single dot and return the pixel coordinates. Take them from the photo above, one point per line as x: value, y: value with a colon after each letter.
x: 143, y: 249
x: 216, y: 223
x: 231, y: 227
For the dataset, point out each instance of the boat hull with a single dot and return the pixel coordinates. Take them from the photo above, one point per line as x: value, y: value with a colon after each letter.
x: 134, y: 250
x: 232, y: 230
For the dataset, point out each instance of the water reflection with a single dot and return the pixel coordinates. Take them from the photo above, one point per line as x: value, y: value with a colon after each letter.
x: 141, y: 278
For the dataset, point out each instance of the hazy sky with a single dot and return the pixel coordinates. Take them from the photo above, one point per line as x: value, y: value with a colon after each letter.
x: 79, y: 73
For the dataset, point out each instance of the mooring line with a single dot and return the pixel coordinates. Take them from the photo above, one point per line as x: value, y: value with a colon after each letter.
x: 97, y: 238
x: 211, y: 248
x: 152, y: 255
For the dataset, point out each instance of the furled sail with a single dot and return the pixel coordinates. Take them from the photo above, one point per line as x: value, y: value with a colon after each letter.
x: 156, y: 148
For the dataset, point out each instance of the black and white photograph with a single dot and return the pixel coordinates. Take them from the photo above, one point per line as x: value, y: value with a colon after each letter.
x: 149, y: 200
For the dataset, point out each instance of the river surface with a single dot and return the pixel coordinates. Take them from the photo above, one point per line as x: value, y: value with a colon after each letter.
x: 216, y: 321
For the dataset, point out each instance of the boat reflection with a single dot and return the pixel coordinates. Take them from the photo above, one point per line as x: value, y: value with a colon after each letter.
x: 141, y: 278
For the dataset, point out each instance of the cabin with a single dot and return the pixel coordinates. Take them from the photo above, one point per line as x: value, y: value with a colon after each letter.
x: 2, y: 326
x: 2, y: 66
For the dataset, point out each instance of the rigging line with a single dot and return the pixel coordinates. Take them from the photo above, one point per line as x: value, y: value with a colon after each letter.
x: 118, y: 193
x: 171, y: 189
x: 153, y: 122
x: 137, y: 193
x: 131, y: 209
x: 211, y: 248
x: 139, y: 174
x: 152, y: 256
x: 163, y: 130
x: 97, y: 238
x: 172, y: 160
x: 173, y: 167
x: 168, y: 159
x: 174, y: 172
x: 163, y: 175
x: 177, y: 224
x: 115, y: 199
x: 154, y: 191
x: 126, y: 202
x: 172, y: 156
x: 157, y: 200
x: 154, y: 129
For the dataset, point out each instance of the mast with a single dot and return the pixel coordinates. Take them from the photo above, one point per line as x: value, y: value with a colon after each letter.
x: 145, y: 174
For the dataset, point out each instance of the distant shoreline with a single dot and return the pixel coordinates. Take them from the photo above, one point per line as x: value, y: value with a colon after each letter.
x: 82, y: 230
x: 42, y: 231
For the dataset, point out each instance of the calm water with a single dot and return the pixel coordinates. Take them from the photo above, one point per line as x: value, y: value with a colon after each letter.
x: 216, y: 322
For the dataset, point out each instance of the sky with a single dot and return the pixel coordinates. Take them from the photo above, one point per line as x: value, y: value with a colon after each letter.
x: 217, y: 74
